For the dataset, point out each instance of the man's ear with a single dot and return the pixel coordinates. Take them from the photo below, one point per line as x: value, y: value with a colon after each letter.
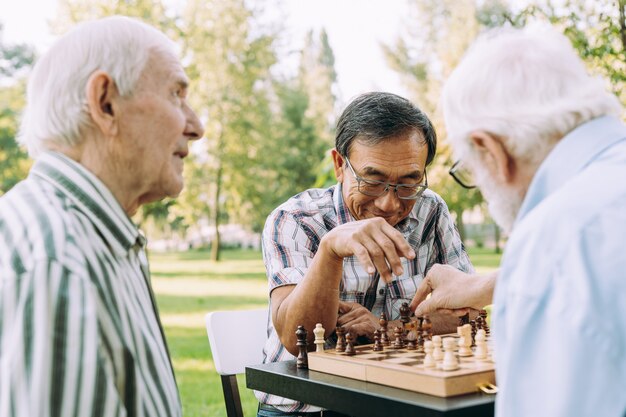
x: 102, y: 93
x: 339, y: 164
x: 494, y: 154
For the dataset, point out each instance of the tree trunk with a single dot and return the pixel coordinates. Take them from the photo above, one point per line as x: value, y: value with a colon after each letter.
x: 215, y: 245
x: 621, y: 4
x: 497, y: 236
x: 459, y: 223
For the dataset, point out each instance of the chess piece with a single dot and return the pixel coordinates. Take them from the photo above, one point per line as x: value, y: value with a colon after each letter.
x: 302, y: 361
x: 464, y: 347
x: 350, y: 345
x: 473, y: 326
x: 427, y: 326
x: 405, y: 313
x: 341, y: 339
x: 466, y: 332
x: 481, y: 346
x: 411, y: 337
x: 429, y: 360
x: 378, y: 347
x: 479, y: 323
x: 483, y: 314
x: 398, y: 343
x: 319, y: 337
x: 450, y: 361
x: 384, y: 336
x: 437, y: 352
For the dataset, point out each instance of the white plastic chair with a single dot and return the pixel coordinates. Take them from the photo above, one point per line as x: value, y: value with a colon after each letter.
x: 236, y: 338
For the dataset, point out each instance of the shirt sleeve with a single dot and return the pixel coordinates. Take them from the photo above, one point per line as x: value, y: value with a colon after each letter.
x: 289, y: 246
x: 49, y: 359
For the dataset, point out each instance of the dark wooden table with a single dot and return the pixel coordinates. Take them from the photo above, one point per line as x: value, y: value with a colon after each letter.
x: 358, y: 398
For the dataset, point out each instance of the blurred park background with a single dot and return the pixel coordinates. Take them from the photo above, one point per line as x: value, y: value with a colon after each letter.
x: 269, y: 108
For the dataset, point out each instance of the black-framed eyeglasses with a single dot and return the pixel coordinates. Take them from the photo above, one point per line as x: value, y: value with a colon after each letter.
x: 462, y: 175
x: 373, y: 188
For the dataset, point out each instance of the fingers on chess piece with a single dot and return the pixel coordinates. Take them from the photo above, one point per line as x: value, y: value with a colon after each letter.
x: 341, y: 339
x: 450, y: 360
x: 319, y: 337
x: 302, y: 362
x: 349, y: 345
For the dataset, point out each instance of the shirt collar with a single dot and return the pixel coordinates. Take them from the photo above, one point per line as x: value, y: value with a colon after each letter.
x: 573, y: 153
x: 405, y: 225
x: 92, y: 197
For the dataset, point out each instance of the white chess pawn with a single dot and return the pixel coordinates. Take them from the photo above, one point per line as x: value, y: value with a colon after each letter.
x: 464, y: 347
x: 429, y: 360
x: 450, y: 361
x: 319, y: 337
x: 481, y: 346
x: 437, y: 352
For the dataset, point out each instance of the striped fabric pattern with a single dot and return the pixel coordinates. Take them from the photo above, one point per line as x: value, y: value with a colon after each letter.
x: 79, y: 328
x: 291, y: 238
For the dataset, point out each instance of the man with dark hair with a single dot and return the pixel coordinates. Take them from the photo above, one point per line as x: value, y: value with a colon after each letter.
x: 341, y: 256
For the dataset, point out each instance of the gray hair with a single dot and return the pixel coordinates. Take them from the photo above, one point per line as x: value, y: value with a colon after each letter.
x: 528, y: 86
x: 377, y: 116
x: 56, y: 100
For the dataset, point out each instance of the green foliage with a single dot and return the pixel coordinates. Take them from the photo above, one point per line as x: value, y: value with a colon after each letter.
x: 597, y: 31
x: 15, y: 60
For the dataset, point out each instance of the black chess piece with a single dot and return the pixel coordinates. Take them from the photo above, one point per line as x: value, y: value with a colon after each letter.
x: 341, y: 339
x: 349, y: 345
x: 398, y: 343
x: 378, y: 347
x: 302, y: 362
x: 405, y: 313
x: 483, y: 314
x: 384, y: 336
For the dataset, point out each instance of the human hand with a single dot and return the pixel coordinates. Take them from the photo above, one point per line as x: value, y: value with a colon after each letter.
x: 452, y: 290
x: 376, y: 244
x: 357, y: 320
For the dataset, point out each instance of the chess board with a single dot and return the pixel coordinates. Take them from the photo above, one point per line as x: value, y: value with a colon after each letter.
x: 402, y: 368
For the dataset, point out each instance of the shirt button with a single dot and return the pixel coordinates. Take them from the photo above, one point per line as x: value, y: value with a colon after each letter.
x: 381, y: 291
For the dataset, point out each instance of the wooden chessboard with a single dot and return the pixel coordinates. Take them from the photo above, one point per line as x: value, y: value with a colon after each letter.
x: 404, y: 369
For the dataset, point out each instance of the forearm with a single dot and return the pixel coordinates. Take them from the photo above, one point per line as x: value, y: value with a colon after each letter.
x: 314, y: 300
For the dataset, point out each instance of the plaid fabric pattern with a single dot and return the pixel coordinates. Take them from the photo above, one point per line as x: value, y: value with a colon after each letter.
x: 291, y: 238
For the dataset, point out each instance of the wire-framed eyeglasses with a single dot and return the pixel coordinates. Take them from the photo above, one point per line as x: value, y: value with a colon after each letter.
x: 462, y: 175
x: 374, y: 188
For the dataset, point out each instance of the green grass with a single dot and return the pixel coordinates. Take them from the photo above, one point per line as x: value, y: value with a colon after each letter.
x: 188, y: 285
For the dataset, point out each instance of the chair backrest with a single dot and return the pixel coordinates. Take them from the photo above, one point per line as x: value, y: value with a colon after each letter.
x: 236, y: 338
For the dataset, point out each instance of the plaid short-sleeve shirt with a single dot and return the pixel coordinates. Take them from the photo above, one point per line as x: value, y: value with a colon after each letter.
x: 292, y: 235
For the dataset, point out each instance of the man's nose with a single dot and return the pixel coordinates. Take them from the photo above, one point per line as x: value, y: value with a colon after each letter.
x: 194, y: 128
x: 388, y: 201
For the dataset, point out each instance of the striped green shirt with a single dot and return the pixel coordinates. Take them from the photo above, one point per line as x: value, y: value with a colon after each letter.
x: 79, y: 328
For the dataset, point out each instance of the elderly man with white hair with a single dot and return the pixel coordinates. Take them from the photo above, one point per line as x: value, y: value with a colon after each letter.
x: 108, y: 123
x: 544, y: 143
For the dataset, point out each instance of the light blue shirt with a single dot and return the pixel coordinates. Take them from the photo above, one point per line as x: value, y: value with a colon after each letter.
x: 559, y: 316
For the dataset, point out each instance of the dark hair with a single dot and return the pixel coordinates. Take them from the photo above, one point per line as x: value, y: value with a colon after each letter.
x: 377, y: 116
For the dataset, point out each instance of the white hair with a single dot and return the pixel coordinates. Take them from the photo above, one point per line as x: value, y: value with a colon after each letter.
x: 528, y: 86
x: 56, y: 98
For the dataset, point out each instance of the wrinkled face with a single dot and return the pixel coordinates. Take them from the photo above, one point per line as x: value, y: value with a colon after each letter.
x: 503, y: 201
x: 155, y: 128
x: 397, y: 160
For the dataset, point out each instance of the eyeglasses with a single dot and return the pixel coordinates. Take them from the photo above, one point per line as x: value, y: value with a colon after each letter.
x: 462, y: 175
x: 375, y: 188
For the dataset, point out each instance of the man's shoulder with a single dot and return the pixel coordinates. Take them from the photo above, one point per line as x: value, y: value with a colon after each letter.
x: 310, y: 202
x: 36, y: 222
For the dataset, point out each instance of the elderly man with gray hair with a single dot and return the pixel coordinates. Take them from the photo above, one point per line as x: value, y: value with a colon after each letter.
x: 544, y: 143
x: 108, y: 123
